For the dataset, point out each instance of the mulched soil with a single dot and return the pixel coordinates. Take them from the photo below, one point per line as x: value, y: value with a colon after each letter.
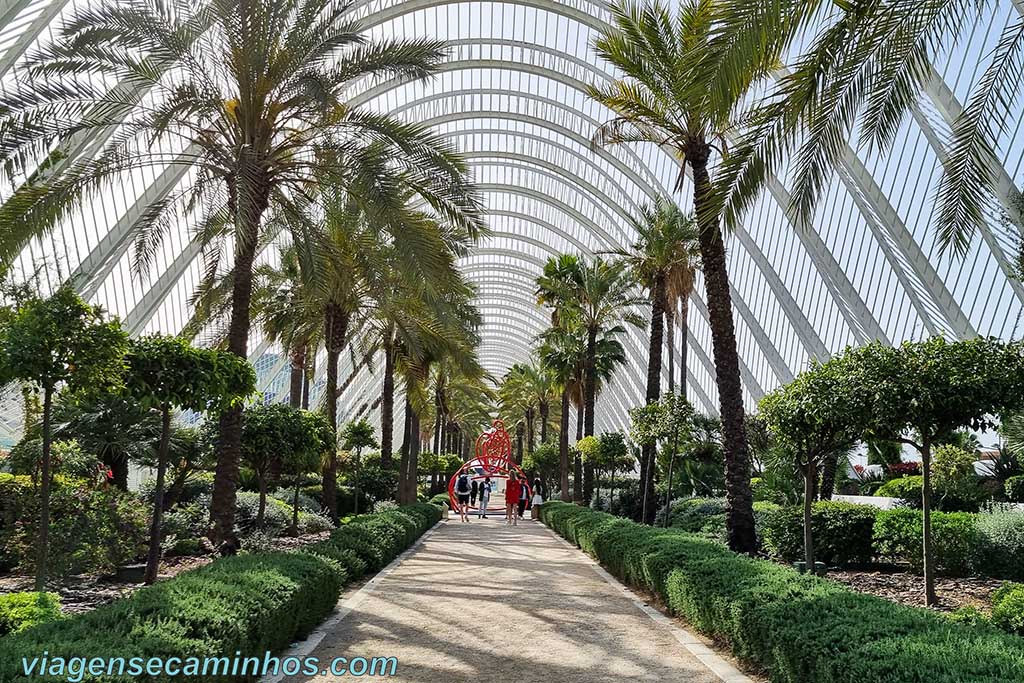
x: 84, y: 593
x: 908, y: 589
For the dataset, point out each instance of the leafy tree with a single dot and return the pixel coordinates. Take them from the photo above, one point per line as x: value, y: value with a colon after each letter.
x: 544, y: 462
x: 166, y: 373
x: 313, y: 438
x: 613, y: 456
x: 257, y: 104
x: 685, y: 83
x: 665, y: 420
x: 270, y: 432
x: 921, y: 391
x: 355, y: 437
x: 52, y: 343
x: 821, y: 412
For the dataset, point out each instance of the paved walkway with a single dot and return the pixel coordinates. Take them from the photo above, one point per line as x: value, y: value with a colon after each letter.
x: 481, y: 602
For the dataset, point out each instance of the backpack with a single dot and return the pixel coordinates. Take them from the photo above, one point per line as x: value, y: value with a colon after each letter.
x: 462, y: 486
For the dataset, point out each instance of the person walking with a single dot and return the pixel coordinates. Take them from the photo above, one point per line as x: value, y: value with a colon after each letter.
x: 512, y: 491
x: 538, y: 497
x: 462, y: 489
x: 524, y: 495
x: 485, y: 496
x: 474, y: 488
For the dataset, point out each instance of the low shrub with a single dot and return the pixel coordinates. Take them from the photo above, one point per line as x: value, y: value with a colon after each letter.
x: 1015, y: 489
x: 1008, y: 608
x: 898, y: 534
x: 92, y: 529
x: 276, y: 517
x: 251, y: 603
x: 440, y: 499
x: 843, y: 532
x: 19, y: 611
x: 1001, y: 538
x: 795, y: 627
x: 907, y: 489
x: 313, y: 523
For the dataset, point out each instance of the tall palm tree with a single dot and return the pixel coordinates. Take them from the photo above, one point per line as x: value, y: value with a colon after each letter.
x: 663, y: 250
x: 255, y: 104
x: 867, y: 66
x: 683, y: 87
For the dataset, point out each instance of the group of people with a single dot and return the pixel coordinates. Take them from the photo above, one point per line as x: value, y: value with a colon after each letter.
x: 517, y: 496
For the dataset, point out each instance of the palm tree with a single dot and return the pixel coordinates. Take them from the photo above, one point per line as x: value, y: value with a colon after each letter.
x: 683, y: 87
x: 867, y: 66
x: 664, y: 250
x: 561, y: 351
x: 255, y: 104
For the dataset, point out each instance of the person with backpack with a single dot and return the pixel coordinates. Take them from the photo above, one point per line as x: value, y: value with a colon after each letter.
x: 512, y: 492
x: 462, y: 489
x: 485, y: 497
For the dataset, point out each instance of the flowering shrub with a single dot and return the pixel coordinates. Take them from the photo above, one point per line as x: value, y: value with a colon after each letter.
x: 903, y: 469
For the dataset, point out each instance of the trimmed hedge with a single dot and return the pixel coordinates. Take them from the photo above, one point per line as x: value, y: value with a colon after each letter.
x: 797, y: 628
x: 898, y: 535
x: 249, y: 603
x: 842, y: 532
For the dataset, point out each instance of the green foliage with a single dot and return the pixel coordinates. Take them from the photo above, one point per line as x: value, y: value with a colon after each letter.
x: 1001, y: 534
x: 796, y: 628
x: 168, y: 371
x: 665, y: 421
x: 67, y: 457
x: 62, y: 341
x: 271, y: 431
x: 956, y: 483
x: 588, y: 448
x: 1008, y: 608
x: 91, y: 529
x: 357, y: 435
x: 19, y: 611
x: 907, y: 489
x: 843, y: 532
x: 251, y: 602
x: 544, y: 461
x: 897, y: 536
x: 1015, y: 489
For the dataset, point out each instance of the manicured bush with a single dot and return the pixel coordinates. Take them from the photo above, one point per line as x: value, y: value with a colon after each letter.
x: 843, y: 532
x: 897, y: 537
x: 19, y: 611
x: 1015, y: 489
x: 276, y: 517
x: 440, y: 499
x: 92, y: 529
x: 1001, y: 539
x: 797, y: 628
x: 1008, y: 608
x: 907, y: 489
x: 249, y: 603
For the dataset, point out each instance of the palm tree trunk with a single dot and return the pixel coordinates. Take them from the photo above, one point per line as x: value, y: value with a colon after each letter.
x: 529, y: 430
x: 589, y: 400
x: 387, y: 405
x: 577, y: 465
x: 828, y: 476
x: 403, y: 467
x: 519, y: 444
x: 563, y: 448
x: 251, y: 203
x: 740, y: 511
x: 684, y: 334
x: 544, y: 411
x: 412, y: 476
x: 298, y: 373
x: 335, y: 329
x: 153, y: 556
x: 670, y: 334
x: 308, y: 381
x: 650, y: 450
x: 437, y: 423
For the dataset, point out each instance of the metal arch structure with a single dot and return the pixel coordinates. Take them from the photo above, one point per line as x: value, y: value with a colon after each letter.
x: 511, y: 98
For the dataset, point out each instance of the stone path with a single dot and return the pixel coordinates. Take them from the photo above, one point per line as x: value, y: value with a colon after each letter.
x: 481, y: 602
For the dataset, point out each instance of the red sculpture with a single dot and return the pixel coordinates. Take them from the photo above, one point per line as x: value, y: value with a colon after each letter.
x: 492, y: 458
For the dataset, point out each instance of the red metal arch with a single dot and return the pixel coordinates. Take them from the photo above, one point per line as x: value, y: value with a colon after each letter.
x: 492, y: 458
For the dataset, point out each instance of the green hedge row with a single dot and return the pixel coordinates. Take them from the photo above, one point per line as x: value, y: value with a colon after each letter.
x: 796, y: 628
x: 247, y: 603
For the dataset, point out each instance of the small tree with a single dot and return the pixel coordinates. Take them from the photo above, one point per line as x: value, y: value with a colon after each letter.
x: 355, y: 437
x: 544, y: 462
x: 312, y: 439
x: 167, y: 373
x: 612, y: 453
x: 921, y: 391
x: 666, y: 420
x: 269, y: 434
x: 52, y: 343
x: 821, y: 412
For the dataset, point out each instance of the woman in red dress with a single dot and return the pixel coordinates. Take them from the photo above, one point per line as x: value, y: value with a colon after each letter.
x: 512, y: 488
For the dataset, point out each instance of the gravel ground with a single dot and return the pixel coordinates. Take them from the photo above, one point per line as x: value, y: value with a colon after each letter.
x: 484, y: 603
x: 908, y: 589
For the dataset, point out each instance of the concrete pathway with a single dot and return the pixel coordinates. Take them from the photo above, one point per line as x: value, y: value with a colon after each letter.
x: 480, y: 602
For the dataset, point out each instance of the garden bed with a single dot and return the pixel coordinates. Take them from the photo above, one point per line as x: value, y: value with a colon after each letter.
x: 906, y: 588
